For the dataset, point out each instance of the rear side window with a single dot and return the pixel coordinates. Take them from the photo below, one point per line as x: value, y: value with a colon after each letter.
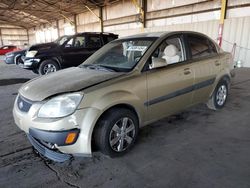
x: 200, y: 46
x: 94, y: 42
x: 108, y: 39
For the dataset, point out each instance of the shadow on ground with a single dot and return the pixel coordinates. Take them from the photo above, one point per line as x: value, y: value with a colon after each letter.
x: 12, y: 81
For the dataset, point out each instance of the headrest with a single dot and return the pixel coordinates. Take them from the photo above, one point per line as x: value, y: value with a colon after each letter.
x: 171, y: 50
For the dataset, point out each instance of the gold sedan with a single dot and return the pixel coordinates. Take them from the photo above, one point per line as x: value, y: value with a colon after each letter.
x: 127, y: 84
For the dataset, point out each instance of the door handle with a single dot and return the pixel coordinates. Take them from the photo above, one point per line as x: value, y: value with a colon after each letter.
x: 187, y: 71
x: 217, y: 63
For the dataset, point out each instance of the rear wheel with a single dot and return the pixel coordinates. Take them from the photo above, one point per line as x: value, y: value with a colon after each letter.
x: 48, y: 66
x: 219, y: 97
x: 116, y: 132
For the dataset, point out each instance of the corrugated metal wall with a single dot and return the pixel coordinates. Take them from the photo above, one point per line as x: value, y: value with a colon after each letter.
x: 14, y: 36
x: 203, y: 16
x: 237, y: 30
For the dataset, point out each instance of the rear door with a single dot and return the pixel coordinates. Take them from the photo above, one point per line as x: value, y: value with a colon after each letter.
x: 93, y: 43
x: 170, y: 86
x: 108, y: 38
x: 206, y: 64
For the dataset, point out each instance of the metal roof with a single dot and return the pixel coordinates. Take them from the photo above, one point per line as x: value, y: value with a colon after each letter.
x: 31, y: 13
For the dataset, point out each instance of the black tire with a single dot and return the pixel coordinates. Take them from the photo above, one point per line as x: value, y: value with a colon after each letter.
x: 106, y: 132
x: 219, y: 97
x: 48, y: 66
x: 19, y: 61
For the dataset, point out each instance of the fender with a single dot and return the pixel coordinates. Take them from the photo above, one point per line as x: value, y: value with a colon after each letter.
x: 54, y: 58
x: 121, y: 97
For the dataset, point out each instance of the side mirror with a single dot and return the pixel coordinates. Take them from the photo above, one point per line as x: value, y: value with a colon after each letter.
x: 157, y: 62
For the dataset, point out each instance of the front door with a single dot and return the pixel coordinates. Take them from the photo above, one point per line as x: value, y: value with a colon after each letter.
x: 170, y: 87
x: 74, y: 51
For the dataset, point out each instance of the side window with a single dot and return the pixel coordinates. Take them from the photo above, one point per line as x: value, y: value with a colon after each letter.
x: 107, y: 38
x: 63, y: 40
x: 200, y: 46
x: 94, y: 42
x: 79, y: 42
x: 69, y: 43
x: 169, y: 52
x: 212, y: 47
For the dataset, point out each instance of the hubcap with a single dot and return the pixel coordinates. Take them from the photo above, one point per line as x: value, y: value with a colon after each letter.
x: 221, y: 95
x: 122, y: 134
x: 49, y: 68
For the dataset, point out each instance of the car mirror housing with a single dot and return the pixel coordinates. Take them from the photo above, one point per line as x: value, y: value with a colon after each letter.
x: 157, y: 62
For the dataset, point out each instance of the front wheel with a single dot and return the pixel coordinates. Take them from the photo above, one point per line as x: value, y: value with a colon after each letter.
x: 116, y: 132
x: 219, y: 97
x: 48, y: 66
x: 19, y: 61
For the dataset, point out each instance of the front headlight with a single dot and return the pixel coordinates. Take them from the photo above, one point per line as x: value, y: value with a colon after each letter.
x: 60, y: 106
x: 31, y: 53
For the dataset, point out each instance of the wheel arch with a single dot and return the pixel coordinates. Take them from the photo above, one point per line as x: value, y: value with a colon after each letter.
x: 224, y: 77
x: 16, y: 58
x: 119, y: 105
x: 55, y: 59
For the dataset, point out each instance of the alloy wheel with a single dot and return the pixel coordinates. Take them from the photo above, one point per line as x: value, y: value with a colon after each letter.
x: 122, y: 134
x: 49, y: 68
x: 221, y: 95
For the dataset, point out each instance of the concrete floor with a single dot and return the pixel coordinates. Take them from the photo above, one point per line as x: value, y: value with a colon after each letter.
x: 197, y: 148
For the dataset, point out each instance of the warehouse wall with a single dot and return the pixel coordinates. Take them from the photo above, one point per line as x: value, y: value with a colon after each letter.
x: 195, y: 15
x: 88, y: 22
x: 203, y: 17
x: 10, y: 35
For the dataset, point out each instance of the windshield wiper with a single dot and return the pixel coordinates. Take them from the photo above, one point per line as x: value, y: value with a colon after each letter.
x: 99, y: 67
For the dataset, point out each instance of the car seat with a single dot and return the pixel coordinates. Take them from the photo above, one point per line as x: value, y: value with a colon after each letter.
x: 170, y: 54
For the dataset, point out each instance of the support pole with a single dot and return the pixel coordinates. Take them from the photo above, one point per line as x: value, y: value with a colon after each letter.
x: 28, y: 37
x: 144, y: 8
x: 1, y: 37
x: 75, y: 24
x: 57, y: 27
x: 223, y: 14
x: 101, y: 18
x: 141, y: 8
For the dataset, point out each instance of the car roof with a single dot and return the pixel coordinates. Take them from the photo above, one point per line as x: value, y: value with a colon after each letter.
x: 161, y: 34
x: 145, y: 35
x: 96, y: 33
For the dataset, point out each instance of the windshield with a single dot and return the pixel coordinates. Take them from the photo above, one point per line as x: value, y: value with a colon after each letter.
x: 120, y: 55
x: 61, y: 40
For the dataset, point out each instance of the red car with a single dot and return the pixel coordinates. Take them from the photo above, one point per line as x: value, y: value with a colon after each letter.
x: 8, y: 48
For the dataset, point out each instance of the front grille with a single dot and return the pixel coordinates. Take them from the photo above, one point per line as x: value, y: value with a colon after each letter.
x: 23, y: 104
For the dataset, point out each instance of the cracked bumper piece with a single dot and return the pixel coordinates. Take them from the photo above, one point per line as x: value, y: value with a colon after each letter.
x: 46, y: 142
x: 49, y: 153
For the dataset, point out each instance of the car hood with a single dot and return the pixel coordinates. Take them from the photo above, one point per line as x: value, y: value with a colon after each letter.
x: 43, y: 46
x: 67, y: 80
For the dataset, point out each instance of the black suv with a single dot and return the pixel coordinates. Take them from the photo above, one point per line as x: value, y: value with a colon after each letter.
x: 67, y: 51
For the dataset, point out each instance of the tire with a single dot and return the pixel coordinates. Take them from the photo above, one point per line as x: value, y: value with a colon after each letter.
x: 110, y: 135
x: 48, y: 66
x: 219, y: 97
x: 19, y: 61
